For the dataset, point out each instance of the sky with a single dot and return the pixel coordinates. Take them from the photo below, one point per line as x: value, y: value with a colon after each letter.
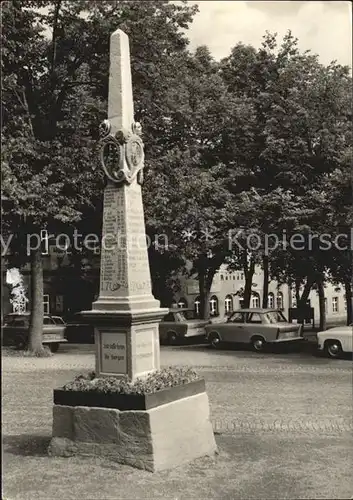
x: 323, y: 27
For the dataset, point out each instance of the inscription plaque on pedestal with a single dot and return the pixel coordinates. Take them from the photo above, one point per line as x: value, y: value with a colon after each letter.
x: 113, y: 355
x: 144, y: 350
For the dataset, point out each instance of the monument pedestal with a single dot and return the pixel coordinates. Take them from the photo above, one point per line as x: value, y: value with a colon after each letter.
x: 163, y: 437
x: 127, y: 344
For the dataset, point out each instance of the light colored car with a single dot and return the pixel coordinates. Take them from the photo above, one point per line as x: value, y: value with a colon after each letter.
x: 335, y: 341
x: 256, y: 327
x: 58, y: 320
x: 16, y: 329
x: 175, y: 326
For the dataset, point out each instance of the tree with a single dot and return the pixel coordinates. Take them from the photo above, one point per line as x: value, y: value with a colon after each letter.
x: 188, y: 198
x: 334, y: 202
x: 300, y: 130
x: 54, y: 95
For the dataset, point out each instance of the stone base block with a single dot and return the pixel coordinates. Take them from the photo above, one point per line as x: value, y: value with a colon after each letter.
x: 161, y: 438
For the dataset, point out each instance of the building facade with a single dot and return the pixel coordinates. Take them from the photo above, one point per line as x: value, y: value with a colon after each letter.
x: 226, y: 290
x: 68, y: 289
x: 226, y: 293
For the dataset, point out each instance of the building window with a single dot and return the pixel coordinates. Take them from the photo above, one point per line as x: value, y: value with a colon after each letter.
x: 214, y: 306
x: 197, y: 307
x: 59, y: 303
x: 228, y: 304
x: 255, y: 300
x: 335, y: 304
x: 222, y: 277
x: 238, y: 277
x: 226, y: 276
x: 241, y: 303
x: 271, y: 300
x: 280, y: 300
x: 46, y: 304
x: 182, y: 303
x: 242, y: 276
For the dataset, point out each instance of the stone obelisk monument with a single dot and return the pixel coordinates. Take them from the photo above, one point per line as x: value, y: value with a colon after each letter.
x: 125, y: 315
x: 150, y: 431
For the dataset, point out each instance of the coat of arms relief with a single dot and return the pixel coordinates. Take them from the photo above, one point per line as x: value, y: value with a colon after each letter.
x: 122, y: 154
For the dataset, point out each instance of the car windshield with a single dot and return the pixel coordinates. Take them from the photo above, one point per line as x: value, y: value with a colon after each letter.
x: 179, y: 316
x: 58, y: 320
x: 236, y: 317
x: 276, y: 317
x: 189, y: 314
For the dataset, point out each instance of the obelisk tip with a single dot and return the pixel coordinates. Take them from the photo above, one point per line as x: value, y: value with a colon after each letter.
x: 119, y: 33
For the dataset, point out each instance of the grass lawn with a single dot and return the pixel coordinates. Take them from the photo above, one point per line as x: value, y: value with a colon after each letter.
x: 247, y: 467
x: 250, y: 465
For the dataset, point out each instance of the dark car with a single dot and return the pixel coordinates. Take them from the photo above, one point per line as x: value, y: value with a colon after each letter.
x: 175, y: 326
x: 15, y: 331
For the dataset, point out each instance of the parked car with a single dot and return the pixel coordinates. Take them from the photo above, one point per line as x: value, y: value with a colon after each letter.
x: 58, y: 320
x: 16, y: 329
x: 175, y: 326
x: 256, y: 327
x: 336, y: 341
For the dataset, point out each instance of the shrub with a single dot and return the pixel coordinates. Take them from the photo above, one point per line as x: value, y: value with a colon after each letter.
x: 156, y: 381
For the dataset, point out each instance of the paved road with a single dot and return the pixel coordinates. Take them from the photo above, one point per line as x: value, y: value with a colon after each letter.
x: 283, y: 391
x: 285, y: 416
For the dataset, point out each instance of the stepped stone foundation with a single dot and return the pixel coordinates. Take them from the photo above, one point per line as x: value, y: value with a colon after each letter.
x: 160, y: 438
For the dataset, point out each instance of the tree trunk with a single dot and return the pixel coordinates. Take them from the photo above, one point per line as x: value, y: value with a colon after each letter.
x: 205, y: 275
x: 349, y: 297
x: 297, y: 292
x: 305, y: 295
x: 265, y: 283
x: 204, y: 294
x: 249, y: 273
x: 322, y: 310
x: 37, y: 307
x: 290, y: 295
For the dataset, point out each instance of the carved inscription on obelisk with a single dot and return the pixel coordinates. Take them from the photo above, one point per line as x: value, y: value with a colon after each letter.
x: 113, y: 258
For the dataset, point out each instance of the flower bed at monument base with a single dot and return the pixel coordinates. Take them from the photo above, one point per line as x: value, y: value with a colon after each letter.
x: 159, y: 388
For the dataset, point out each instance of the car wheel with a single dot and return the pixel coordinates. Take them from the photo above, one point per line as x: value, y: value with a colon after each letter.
x: 172, y: 338
x: 214, y: 340
x: 54, y: 347
x: 258, y: 344
x: 333, y: 348
x: 20, y: 342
